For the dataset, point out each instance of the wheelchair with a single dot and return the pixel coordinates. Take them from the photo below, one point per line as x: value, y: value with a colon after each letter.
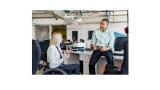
x: 53, y: 71
x: 36, y: 54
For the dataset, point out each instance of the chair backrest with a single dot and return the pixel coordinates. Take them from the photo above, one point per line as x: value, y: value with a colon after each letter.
x: 36, y: 54
x: 120, y: 39
x: 119, y: 43
x: 124, y: 67
x: 44, y: 46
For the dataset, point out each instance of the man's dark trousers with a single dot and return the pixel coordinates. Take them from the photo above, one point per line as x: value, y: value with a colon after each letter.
x: 95, y: 57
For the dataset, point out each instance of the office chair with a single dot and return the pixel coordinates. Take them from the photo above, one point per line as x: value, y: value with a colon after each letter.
x: 36, y: 54
x: 119, y: 45
x: 44, y: 46
x: 124, y: 68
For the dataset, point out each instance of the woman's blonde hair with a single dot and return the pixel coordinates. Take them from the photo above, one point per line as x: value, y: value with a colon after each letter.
x: 56, y: 38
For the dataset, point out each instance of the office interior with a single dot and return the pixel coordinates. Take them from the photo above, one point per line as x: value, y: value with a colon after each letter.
x: 77, y: 27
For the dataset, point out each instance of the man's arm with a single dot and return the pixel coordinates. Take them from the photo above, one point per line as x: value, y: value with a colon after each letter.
x: 111, y: 41
x: 103, y: 49
x: 93, y: 41
x: 93, y: 47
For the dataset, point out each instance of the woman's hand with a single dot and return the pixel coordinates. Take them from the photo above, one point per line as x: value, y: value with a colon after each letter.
x: 67, y: 54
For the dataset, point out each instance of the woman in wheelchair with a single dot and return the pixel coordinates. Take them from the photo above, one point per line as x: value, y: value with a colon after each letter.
x: 55, y: 56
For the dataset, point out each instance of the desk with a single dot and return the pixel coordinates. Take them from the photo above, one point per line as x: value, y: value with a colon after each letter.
x: 77, y: 56
x: 85, y: 56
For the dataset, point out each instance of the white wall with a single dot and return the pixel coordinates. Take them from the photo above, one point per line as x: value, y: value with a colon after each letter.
x: 33, y: 32
x: 41, y: 32
x: 82, y: 28
x: 118, y: 27
x: 47, y: 21
x: 38, y: 32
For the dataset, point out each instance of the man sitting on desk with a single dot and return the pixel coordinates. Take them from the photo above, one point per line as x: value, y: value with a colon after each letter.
x: 103, y: 44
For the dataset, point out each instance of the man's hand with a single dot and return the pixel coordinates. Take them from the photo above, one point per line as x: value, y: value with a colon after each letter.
x: 93, y: 47
x: 103, y: 49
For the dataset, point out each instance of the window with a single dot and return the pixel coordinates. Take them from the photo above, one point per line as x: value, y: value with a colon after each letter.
x: 74, y: 35
x: 90, y: 34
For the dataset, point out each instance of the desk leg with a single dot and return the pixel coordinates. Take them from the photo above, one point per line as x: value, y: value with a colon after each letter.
x: 86, y: 65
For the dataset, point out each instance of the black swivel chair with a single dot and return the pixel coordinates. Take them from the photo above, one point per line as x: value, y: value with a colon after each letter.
x: 44, y: 46
x: 120, y: 39
x: 124, y: 68
x: 121, y: 43
x: 36, y: 55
